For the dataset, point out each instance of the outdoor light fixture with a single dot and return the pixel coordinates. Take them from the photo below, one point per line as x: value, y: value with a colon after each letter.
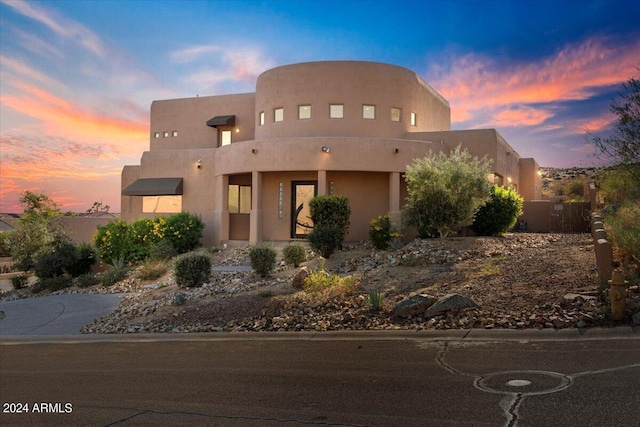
x: 254, y: 151
x: 326, y: 149
x: 509, y: 179
x: 237, y: 130
x: 395, y: 150
x: 199, y: 163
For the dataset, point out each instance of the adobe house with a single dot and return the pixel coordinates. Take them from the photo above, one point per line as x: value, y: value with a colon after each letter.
x: 249, y: 163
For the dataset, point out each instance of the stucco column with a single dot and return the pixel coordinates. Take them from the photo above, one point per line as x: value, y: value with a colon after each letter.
x: 221, y: 209
x: 394, y: 198
x: 322, y: 183
x: 255, y: 218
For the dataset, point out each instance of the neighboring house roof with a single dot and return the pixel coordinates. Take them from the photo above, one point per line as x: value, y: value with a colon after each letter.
x: 4, y: 226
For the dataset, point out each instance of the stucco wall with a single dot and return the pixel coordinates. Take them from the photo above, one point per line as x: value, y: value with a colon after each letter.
x: 351, y: 83
x: 530, y: 180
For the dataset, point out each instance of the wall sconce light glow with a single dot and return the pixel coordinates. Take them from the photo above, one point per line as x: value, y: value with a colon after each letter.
x: 509, y: 179
x: 199, y: 163
x: 326, y: 149
x: 237, y: 130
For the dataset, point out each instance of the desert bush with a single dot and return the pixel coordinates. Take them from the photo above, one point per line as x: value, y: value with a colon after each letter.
x: 179, y: 298
x: 52, y: 284
x: 499, y: 214
x: 87, y: 280
x: 381, y: 232
x: 113, y: 275
x: 330, y: 216
x: 162, y: 251
x: 151, y: 270
x: 294, y: 254
x: 184, y: 231
x: 375, y: 298
x: 263, y: 259
x: 19, y: 282
x: 192, y: 270
x: 5, y: 247
x: 624, y: 228
x: 325, y: 239
x: 113, y: 241
x: 85, y: 259
x: 320, y: 280
x: 55, y: 258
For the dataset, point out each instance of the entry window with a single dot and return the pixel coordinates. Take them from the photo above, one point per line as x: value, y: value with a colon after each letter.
x: 413, y: 118
x: 369, y: 112
x: 261, y: 118
x: 395, y: 114
x: 225, y: 137
x: 162, y: 204
x: 304, y: 112
x: 336, y: 111
x: 278, y: 114
x: 239, y: 199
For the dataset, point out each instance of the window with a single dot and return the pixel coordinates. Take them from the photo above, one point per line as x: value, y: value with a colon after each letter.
x: 166, y: 134
x: 225, y: 137
x: 239, y: 199
x: 156, y: 135
x: 395, y: 114
x: 368, y: 112
x: 336, y: 111
x: 174, y: 133
x: 304, y: 112
x: 413, y: 118
x: 162, y: 204
x: 278, y: 114
x: 261, y: 118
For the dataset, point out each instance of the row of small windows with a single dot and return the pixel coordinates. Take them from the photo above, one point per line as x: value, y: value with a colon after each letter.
x: 336, y: 111
x: 165, y: 134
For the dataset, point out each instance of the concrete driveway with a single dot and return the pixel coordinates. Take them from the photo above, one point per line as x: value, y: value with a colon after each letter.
x: 54, y: 314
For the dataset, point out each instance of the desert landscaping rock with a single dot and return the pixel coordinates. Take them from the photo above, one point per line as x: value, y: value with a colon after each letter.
x: 298, y: 279
x: 416, y: 304
x: 523, y: 280
x: 447, y: 303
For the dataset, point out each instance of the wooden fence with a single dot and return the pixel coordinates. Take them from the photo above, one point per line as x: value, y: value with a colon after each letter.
x: 546, y: 216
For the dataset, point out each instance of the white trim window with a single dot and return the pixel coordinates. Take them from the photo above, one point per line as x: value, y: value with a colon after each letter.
x: 336, y: 111
x: 413, y: 119
x: 261, y: 119
x: 395, y: 114
x: 369, y: 112
x: 304, y: 112
x: 278, y: 114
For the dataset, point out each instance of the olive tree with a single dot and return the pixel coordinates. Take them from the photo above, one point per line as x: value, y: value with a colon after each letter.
x: 444, y: 191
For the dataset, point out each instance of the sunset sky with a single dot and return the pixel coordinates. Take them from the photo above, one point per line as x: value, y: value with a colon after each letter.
x: 77, y: 77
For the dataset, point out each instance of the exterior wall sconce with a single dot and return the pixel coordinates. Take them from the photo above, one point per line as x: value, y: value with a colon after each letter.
x: 237, y: 130
x: 509, y: 179
x: 254, y: 151
x: 199, y: 164
x: 326, y: 149
x: 396, y: 150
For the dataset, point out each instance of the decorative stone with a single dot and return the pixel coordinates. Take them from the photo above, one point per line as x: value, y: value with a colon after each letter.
x: 416, y: 304
x: 449, y: 302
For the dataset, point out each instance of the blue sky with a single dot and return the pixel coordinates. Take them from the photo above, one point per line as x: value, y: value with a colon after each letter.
x: 78, y: 77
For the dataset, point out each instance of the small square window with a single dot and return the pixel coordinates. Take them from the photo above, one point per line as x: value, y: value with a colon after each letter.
x: 261, y: 118
x: 278, y: 114
x: 395, y: 114
x: 304, y: 112
x: 413, y: 118
x: 166, y: 134
x: 369, y: 112
x: 336, y: 111
x: 156, y: 135
x: 174, y: 133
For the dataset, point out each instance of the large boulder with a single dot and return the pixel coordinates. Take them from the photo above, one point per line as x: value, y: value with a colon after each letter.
x: 414, y: 305
x: 299, y: 278
x: 447, y: 303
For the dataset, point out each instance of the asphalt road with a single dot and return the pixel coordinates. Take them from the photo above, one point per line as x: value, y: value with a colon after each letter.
x: 482, y: 378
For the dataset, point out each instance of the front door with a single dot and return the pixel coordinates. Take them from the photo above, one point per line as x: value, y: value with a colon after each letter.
x: 301, y: 194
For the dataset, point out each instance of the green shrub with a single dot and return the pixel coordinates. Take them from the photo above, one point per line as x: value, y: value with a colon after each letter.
x: 179, y: 298
x: 381, y: 232
x: 113, y: 275
x: 320, y: 280
x: 325, y: 239
x: 499, y: 214
x: 87, y: 280
x: 113, y: 241
x: 19, y: 282
x: 162, y: 251
x: 5, y: 247
x: 294, y: 254
x: 192, y: 270
x: 263, y: 259
x: 53, y: 283
x: 184, y: 231
x: 624, y: 228
x: 151, y: 270
x: 55, y: 258
x: 85, y: 259
x: 331, y: 211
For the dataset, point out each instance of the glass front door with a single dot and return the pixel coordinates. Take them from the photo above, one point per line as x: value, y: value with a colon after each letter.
x: 301, y: 194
